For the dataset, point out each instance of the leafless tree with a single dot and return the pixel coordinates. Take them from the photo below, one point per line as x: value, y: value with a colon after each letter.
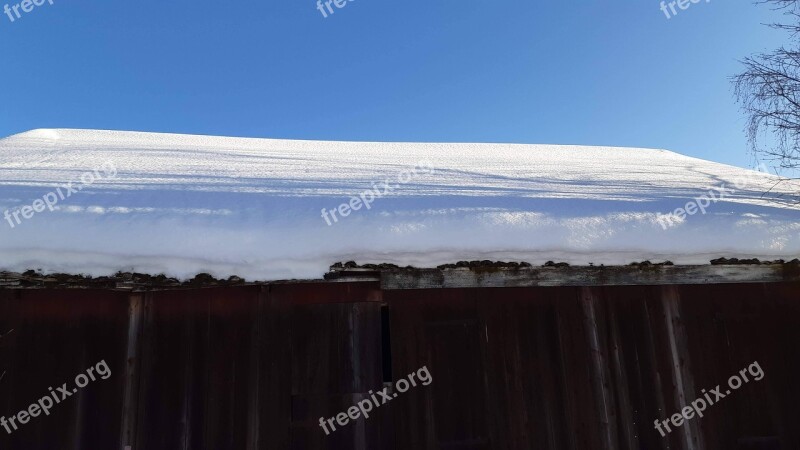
x: 768, y: 90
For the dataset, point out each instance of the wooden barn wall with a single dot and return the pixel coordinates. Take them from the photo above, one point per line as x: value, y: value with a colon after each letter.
x: 255, y: 367
x: 592, y: 368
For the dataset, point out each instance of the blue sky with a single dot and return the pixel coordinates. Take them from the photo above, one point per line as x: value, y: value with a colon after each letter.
x: 591, y: 72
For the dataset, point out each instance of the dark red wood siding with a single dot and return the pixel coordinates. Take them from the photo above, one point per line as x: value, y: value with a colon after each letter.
x: 255, y: 367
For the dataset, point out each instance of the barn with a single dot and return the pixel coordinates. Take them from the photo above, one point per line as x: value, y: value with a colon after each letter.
x: 172, y: 291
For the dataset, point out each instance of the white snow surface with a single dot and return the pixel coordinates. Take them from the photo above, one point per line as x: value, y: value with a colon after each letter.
x: 182, y: 205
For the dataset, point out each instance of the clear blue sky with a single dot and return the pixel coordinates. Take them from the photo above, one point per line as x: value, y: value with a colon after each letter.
x: 595, y: 72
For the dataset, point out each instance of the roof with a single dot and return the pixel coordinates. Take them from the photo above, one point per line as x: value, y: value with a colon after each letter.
x: 270, y: 209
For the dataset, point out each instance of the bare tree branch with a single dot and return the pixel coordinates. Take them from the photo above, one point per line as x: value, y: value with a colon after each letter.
x: 768, y: 91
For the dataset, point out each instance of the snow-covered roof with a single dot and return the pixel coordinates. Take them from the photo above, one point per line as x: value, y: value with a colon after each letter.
x: 182, y: 205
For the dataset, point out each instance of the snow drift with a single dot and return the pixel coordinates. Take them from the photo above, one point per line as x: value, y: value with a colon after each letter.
x: 182, y: 205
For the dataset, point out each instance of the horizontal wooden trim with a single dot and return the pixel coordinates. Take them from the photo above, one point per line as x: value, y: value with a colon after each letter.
x: 587, y: 276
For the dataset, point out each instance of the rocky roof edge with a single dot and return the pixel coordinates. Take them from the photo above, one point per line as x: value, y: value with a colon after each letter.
x: 459, y: 274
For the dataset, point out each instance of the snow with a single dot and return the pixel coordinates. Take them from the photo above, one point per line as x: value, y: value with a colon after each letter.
x: 182, y: 205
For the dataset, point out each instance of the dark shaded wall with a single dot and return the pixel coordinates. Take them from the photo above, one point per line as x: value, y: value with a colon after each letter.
x: 255, y: 367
